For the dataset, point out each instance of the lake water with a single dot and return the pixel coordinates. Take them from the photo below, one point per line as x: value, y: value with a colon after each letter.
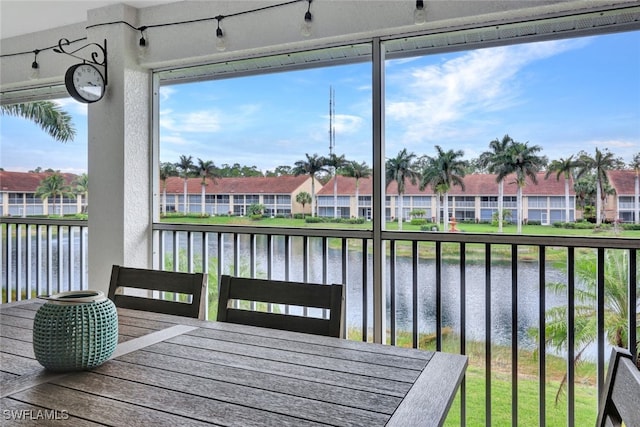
x: 501, y: 299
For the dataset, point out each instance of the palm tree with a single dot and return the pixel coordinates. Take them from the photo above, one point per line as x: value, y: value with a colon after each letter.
x: 335, y: 162
x: 46, y: 114
x: 564, y: 167
x: 494, y: 161
x: 185, y: 168
x: 399, y: 169
x: 311, y: 167
x: 616, y: 315
x: 206, y: 169
x: 303, y: 198
x: 167, y: 169
x: 82, y: 187
x: 600, y: 163
x: 635, y: 164
x: 54, y: 186
x: 442, y: 172
x: 358, y: 171
x: 524, y: 162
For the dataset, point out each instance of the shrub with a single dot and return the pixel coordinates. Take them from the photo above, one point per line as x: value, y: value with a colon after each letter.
x: 635, y: 227
x: 313, y: 220
x: 430, y: 227
x: 418, y: 221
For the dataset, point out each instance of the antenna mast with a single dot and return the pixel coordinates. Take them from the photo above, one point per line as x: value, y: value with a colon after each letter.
x: 332, y: 112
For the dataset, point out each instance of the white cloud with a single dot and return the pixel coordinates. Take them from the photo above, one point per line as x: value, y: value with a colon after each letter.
x: 195, y: 121
x: 435, y: 99
x: 72, y: 106
x: 615, y: 143
x: 174, y: 139
x: 347, y: 124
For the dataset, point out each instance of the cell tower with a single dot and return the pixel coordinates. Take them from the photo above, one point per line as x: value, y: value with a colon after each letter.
x: 332, y: 113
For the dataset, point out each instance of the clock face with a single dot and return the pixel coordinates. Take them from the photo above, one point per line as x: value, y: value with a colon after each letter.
x: 85, y: 83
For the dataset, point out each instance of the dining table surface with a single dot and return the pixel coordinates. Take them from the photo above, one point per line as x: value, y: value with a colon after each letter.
x: 172, y: 370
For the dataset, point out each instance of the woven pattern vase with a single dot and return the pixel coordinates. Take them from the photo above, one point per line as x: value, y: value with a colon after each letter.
x: 75, y: 330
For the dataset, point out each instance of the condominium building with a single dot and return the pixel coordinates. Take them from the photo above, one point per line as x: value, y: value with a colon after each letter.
x: 543, y: 201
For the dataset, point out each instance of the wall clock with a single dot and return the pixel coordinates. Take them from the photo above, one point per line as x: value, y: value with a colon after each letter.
x: 85, y: 83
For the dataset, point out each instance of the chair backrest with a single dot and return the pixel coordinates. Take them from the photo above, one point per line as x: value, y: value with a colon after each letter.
x: 298, y: 294
x: 620, y: 398
x: 142, y: 282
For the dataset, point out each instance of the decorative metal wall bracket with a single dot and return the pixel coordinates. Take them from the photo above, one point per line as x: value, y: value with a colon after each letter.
x: 98, y: 54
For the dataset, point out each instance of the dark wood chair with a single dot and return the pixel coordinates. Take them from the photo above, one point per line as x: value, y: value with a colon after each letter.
x: 620, y: 398
x: 139, y: 280
x: 298, y: 294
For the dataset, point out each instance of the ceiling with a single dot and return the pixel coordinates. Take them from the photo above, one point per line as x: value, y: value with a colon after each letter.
x: 17, y: 17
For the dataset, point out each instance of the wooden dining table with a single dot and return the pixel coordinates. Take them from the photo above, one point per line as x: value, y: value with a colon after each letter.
x: 171, y: 370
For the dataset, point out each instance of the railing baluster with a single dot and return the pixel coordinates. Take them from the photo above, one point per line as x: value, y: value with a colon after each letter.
x: 29, y: 270
x: 438, y: 296
x: 632, y: 303
x: 60, y: 257
x: 542, y: 337
x: 487, y: 327
x: 392, y: 291
x: 463, y: 329
x: 571, y: 265
x: 600, y: 292
x: 365, y: 279
x: 49, y: 260
x: 19, y: 262
x: 514, y: 335
x: 414, y: 282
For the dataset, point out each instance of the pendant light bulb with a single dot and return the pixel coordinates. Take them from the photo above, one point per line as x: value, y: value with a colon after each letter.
x: 35, y: 67
x: 305, y: 28
x: 420, y: 14
x: 143, y: 45
x: 221, y: 44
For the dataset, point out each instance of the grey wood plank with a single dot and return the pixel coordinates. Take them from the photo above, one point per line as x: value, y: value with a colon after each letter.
x: 13, y: 304
x: 19, y: 322
x: 17, y: 347
x: 317, y: 361
x: 149, y: 339
x: 359, y: 382
x: 159, y: 317
x: 90, y: 406
x: 17, y: 364
x: 15, y: 332
x: 366, y: 353
x: 428, y: 401
x: 153, y: 387
x: 150, y: 324
x: 40, y: 376
x: 23, y: 414
x: 22, y: 311
x: 308, y: 388
x: 257, y: 333
x: 7, y: 376
x: 131, y: 331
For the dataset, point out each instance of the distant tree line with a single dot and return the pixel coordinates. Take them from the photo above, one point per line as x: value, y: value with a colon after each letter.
x: 506, y: 158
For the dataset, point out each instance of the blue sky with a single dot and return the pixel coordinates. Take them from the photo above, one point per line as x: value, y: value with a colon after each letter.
x: 566, y: 96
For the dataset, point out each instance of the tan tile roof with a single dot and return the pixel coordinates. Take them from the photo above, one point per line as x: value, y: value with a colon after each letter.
x: 26, y: 182
x: 623, y: 181
x: 475, y: 184
x: 243, y: 185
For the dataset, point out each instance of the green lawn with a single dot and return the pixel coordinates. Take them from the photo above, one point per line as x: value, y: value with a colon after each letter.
x: 392, y: 226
